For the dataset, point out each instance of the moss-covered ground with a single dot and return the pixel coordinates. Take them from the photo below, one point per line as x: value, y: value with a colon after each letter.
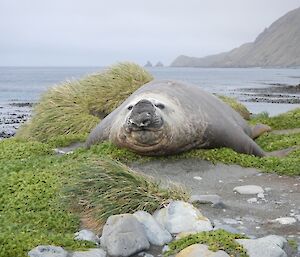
x: 38, y: 190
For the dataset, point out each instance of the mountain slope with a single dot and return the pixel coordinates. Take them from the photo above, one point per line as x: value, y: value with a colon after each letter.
x: 276, y: 46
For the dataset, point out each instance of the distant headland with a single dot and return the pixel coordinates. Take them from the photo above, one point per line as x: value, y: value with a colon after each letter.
x: 276, y: 46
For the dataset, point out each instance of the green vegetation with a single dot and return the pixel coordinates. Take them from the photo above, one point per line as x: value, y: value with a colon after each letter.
x: 75, y: 107
x: 234, y: 104
x: 106, y: 187
x: 286, y: 120
x: 37, y: 189
x: 216, y: 240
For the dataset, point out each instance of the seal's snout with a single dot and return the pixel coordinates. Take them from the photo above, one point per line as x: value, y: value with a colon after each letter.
x: 141, y: 120
x: 143, y: 116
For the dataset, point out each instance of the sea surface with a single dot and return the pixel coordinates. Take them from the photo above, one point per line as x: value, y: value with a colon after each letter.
x: 22, y: 85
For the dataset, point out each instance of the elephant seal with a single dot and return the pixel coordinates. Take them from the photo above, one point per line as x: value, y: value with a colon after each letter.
x: 165, y: 117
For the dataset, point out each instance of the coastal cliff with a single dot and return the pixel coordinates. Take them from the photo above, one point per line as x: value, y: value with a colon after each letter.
x: 276, y: 46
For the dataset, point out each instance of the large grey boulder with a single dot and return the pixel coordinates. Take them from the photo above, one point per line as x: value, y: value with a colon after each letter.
x: 90, y: 253
x: 200, y: 250
x: 269, y: 246
x: 180, y: 216
x: 48, y: 251
x: 124, y: 235
x: 156, y: 234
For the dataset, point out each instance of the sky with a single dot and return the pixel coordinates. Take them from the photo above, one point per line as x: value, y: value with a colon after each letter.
x: 100, y: 33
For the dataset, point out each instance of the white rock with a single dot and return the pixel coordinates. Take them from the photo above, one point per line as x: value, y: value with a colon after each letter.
x: 269, y: 246
x: 143, y: 254
x: 86, y: 235
x: 48, y: 251
x: 261, y: 195
x: 124, y: 235
x: 90, y: 253
x: 252, y: 200
x: 248, y: 190
x: 285, y: 220
x: 200, y: 250
x: 156, y: 234
x: 197, y: 178
x: 180, y: 216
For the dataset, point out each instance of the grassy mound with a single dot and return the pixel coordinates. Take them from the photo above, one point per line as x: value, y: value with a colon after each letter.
x: 33, y: 207
x: 75, y: 107
x: 216, y: 240
x: 234, y: 104
x: 106, y: 187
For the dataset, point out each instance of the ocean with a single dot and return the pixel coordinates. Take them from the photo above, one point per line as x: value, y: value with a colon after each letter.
x: 22, y: 85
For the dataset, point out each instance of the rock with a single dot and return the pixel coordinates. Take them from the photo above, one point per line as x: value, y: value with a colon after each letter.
x: 214, y: 199
x: 200, y: 250
x: 143, y: 254
x: 48, y: 251
x: 90, y: 253
x: 124, y: 235
x: 252, y: 200
x: 86, y: 235
x: 285, y: 220
x: 180, y: 216
x: 156, y: 234
x: 248, y: 190
x: 269, y: 246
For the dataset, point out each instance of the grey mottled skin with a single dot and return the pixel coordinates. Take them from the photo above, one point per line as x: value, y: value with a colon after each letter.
x: 192, y: 118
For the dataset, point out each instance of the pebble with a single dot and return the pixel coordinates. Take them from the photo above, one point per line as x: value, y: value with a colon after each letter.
x: 248, y: 190
x: 48, y: 251
x: 90, y: 253
x: 197, y: 250
x: 213, y: 199
x: 86, y: 235
x: 197, y: 178
x: 252, y: 200
x: 231, y: 221
x: 285, y: 220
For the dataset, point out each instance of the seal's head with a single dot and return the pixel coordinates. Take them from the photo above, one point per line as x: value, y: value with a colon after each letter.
x: 144, y: 125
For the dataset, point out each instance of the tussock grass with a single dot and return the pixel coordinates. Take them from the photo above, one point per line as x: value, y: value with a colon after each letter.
x: 75, y: 107
x: 33, y: 209
x: 107, y: 187
x: 236, y: 105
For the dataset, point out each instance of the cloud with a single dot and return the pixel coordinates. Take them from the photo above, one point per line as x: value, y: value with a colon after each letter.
x: 97, y: 32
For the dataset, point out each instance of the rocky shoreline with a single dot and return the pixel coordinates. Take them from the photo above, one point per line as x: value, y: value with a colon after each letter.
x: 272, y: 93
x: 12, y: 115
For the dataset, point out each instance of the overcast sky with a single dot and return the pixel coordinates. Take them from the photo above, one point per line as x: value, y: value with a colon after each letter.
x: 102, y: 32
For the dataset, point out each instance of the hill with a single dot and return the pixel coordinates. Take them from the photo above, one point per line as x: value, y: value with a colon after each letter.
x: 276, y: 46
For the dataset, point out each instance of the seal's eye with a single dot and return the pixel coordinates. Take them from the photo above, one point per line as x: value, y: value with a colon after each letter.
x: 130, y: 107
x: 160, y: 106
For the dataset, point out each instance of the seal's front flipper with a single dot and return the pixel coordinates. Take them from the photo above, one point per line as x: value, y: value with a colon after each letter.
x: 283, y: 152
x: 259, y: 129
